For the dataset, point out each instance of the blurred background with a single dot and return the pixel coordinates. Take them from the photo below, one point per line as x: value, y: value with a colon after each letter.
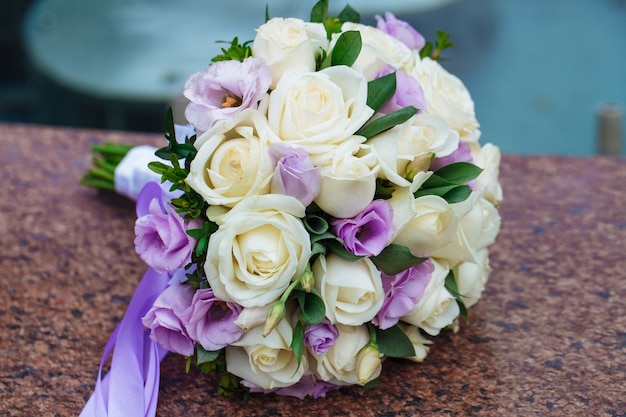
x: 546, y: 76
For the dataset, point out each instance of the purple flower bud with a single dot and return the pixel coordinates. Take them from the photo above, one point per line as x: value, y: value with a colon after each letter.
x: 211, y: 321
x: 308, y: 385
x: 223, y: 89
x: 295, y: 174
x: 402, y: 293
x: 408, y: 92
x: 166, y: 319
x: 368, y: 233
x: 161, y: 237
x: 400, y: 30
x: 320, y: 337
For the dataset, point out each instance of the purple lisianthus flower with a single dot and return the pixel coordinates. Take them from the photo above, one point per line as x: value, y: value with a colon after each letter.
x: 402, y: 293
x: 167, y: 316
x: 461, y: 154
x: 308, y: 385
x: 295, y: 174
x: 223, y: 89
x: 408, y: 92
x: 368, y: 233
x: 401, y: 31
x: 211, y: 321
x: 161, y: 238
x: 320, y: 337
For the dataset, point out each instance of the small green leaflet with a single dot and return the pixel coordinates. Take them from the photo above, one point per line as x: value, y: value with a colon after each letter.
x: 395, y: 259
x: 458, y: 172
x: 297, y: 342
x: 393, y: 342
x: 312, y: 308
x: 348, y: 14
x: 449, y: 182
x: 319, y: 11
x: 387, y: 122
x: 380, y: 90
x: 451, y: 286
x: 347, y: 48
x: 205, y: 356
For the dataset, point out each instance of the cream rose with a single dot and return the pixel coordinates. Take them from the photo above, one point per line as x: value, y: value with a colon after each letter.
x: 378, y: 50
x: 348, y: 186
x: 352, y: 291
x: 289, y: 44
x: 339, y: 364
x: 260, y: 246
x: 471, y: 277
x: 267, y: 362
x: 437, y: 308
x: 445, y: 95
x: 423, y: 224
x: 232, y: 160
x: 319, y: 110
x: 488, y: 158
x: 420, y: 343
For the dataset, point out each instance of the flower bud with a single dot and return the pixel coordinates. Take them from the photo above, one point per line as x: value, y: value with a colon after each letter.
x: 274, y: 316
x: 368, y: 363
x: 419, y: 164
x: 308, y: 280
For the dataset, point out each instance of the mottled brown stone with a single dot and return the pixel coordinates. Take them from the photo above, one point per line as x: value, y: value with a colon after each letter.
x: 547, y: 338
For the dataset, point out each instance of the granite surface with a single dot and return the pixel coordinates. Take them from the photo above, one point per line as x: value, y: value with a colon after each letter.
x: 548, y: 338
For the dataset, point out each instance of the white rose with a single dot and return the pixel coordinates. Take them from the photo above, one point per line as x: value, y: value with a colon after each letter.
x: 445, y: 96
x: 488, y: 158
x: 339, y: 364
x: 423, y: 224
x: 348, y: 186
x: 378, y: 50
x: 251, y: 317
x: 259, y: 247
x: 471, y: 277
x: 289, y: 44
x: 232, y: 160
x: 319, y: 110
x: 420, y: 343
x: 437, y: 308
x: 352, y: 291
x: 479, y: 224
x: 267, y: 362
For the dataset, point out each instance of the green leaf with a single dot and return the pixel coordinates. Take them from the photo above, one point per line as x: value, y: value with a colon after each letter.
x: 205, y: 356
x: 267, y: 12
x: 337, y: 247
x: 315, y: 224
x: 158, y: 167
x: 458, y: 172
x: 169, y: 125
x: 347, y: 48
x: 387, y: 122
x: 348, y: 14
x: 450, y: 284
x: 319, y: 11
x: 451, y: 193
x: 393, y: 342
x: 312, y: 308
x: 380, y: 90
x: 297, y: 342
x: 395, y: 259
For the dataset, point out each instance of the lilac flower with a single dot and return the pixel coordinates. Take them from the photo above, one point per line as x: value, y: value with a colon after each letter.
x: 211, y: 321
x: 402, y: 293
x: 308, y: 385
x: 161, y: 238
x: 320, y: 337
x: 166, y: 319
x: 408, y: 92
x: 461, y: 154
x: 224, y: 89
x: 295, y: 174
x: 400, y: 30
x: 368, y: 233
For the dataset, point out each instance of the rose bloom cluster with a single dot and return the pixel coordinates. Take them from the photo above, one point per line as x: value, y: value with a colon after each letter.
x: 276, y: 137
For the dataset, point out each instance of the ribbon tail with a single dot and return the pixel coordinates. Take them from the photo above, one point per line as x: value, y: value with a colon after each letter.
x: 132, y: 385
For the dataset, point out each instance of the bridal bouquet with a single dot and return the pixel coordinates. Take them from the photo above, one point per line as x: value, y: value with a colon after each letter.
x: 329, y: 206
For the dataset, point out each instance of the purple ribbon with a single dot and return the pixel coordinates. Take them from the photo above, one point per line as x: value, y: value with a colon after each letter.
x: 131, y: 387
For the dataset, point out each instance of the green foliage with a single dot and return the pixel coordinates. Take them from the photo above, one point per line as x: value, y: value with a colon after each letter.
x: 235, y: 50
x: 347, y: 48
x: 387, y: 121
x: 395, y: 259
x: 319, y: 11
x: 106, y: 158
x: 312, y: 308
x: 433, y: 50
x: 203, y: 235
x: 451, y: 286
x: 449, y: 182
x: 380, y: 90
x: 348, y: 14
x: 393, y: 342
